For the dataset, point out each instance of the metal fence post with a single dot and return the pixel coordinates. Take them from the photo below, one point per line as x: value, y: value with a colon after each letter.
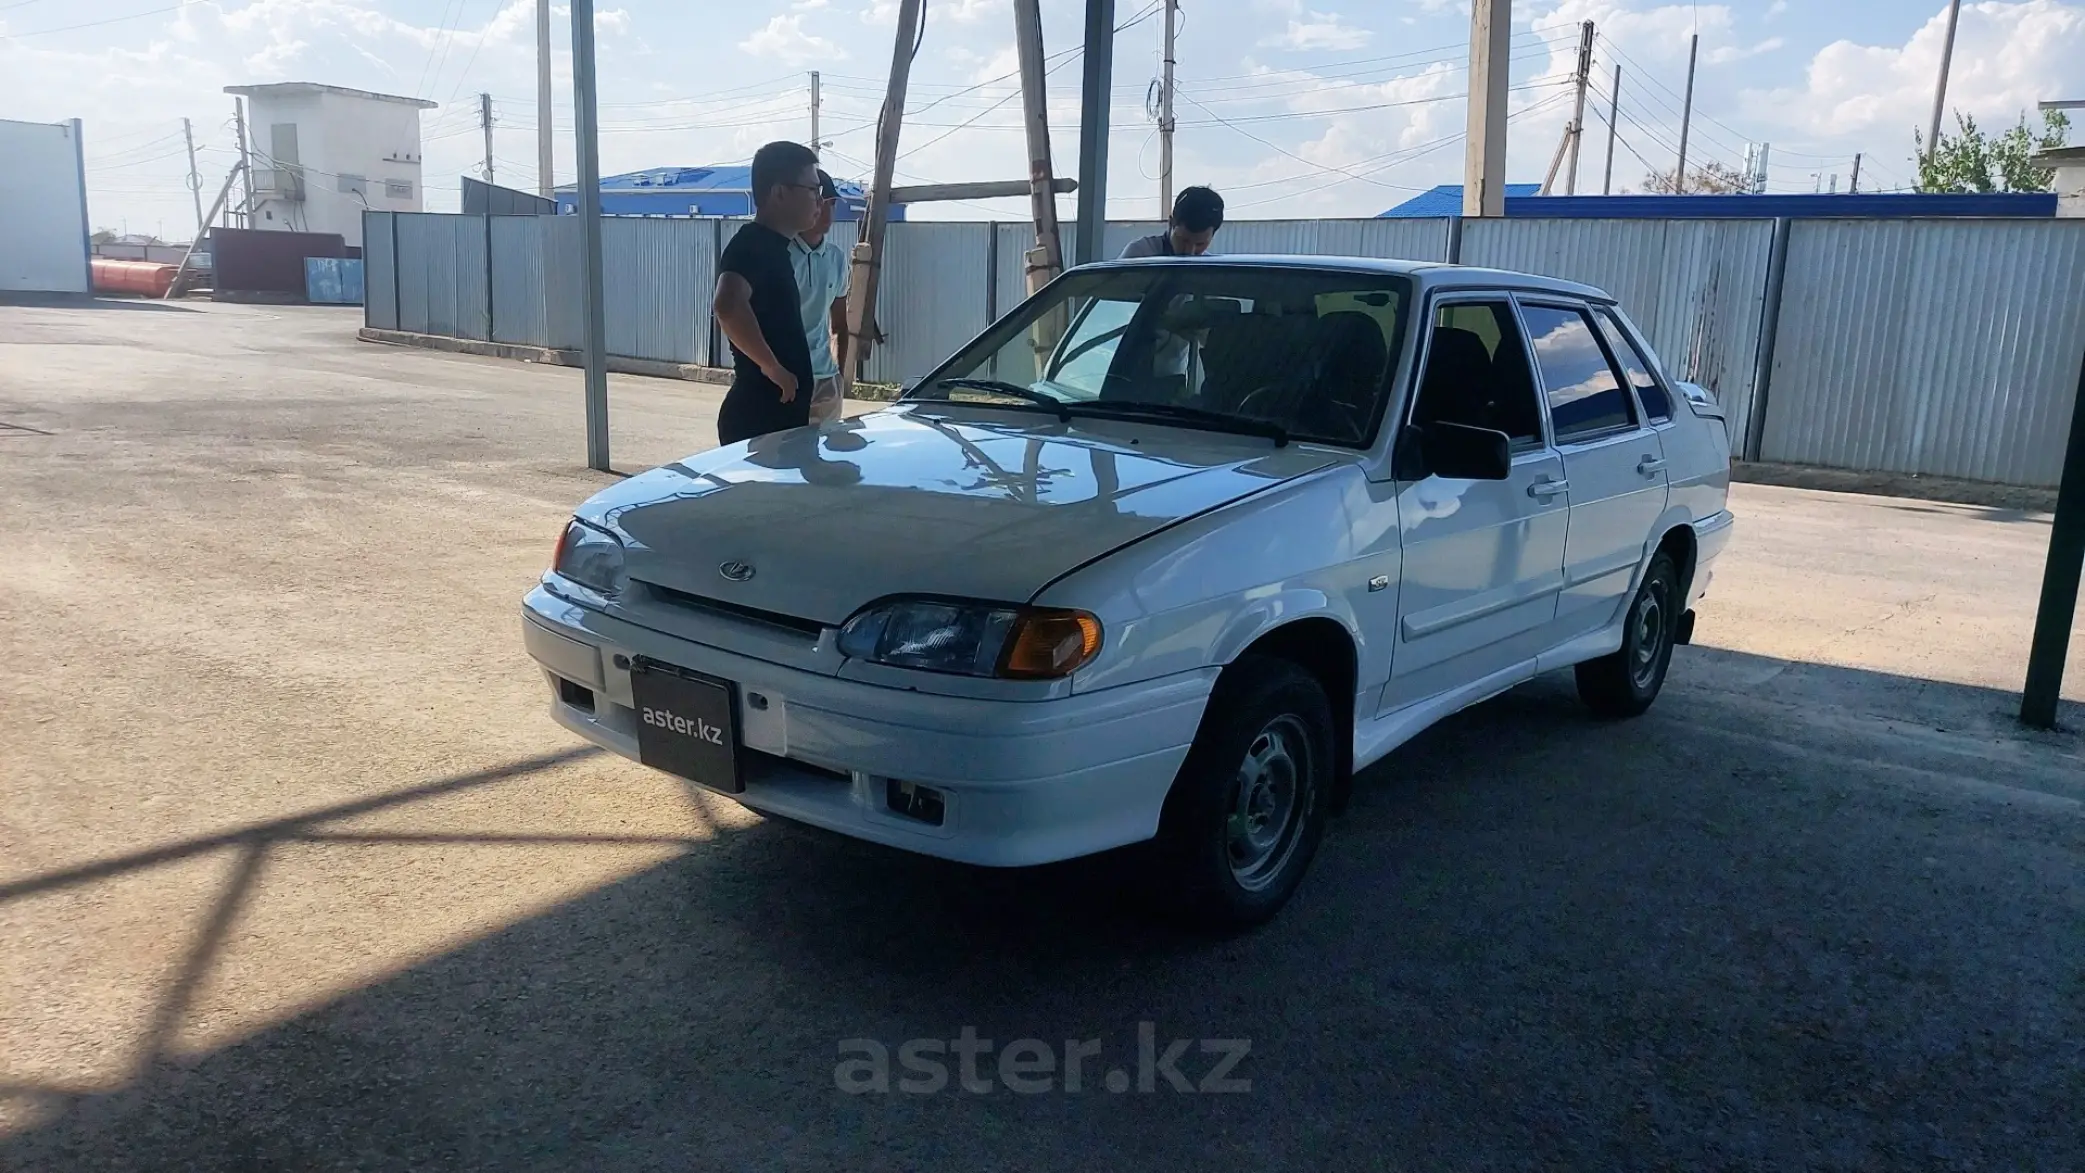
x: 1769, y: 329
x: 2060, y: 578
x: 717, y: 355
x: 489, y: 294
x: 1454, y: 256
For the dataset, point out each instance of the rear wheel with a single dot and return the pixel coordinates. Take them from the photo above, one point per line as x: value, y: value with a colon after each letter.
x: 1244, y: 817
x: 1625, y: 683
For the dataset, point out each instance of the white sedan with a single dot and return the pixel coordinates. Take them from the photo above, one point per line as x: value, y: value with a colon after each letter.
x: 1166, y: 554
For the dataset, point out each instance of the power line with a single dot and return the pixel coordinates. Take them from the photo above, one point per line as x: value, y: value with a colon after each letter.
x: 98, y: 23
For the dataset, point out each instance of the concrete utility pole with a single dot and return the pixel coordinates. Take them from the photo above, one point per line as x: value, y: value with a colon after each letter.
x: 546, y: 183
x: 195, y: 181
x: 1766, y: 153
x: 1614, y: 113
x: 868, y: 250
x: 1484, y: 158
x: 1583, y: 79
x: 1094, y: 89
x: 485, y: 124
x: 1679, y: 177
x: 1947, y: 57
x: 1853, y: 185
x: 594, y: 318
x: 2058, y: 608
x: 816, y: 144
x: 1165, y: 114
x: 174, y: 289
x: 245, y: 176
x: 1046, y: 259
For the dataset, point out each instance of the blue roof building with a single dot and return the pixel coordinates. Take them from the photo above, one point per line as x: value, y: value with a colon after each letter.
x: 1523, y: 204
x: 698, y: 191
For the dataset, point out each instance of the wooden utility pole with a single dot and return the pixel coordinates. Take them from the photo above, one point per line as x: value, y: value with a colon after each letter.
x: 1583, y: 79
x: 1947, y: 57
x: 1614, y: 114
x: 1484, y: 158
x: 868, y: 251
x: 1165, y: 114
x: 546, y: 184
x: 245, y: 172
x: 1046, y: 259
x: 1679, y: 177
x: 485, y: 124
x: 195, y: 181
x: 1853, y: 185
x: 181, y: 273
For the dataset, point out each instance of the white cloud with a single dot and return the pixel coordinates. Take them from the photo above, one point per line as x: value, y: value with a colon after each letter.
x: 784, y: 39
x: 1725, y: 54
x: 1318, y: 32
x: 1776, y: 8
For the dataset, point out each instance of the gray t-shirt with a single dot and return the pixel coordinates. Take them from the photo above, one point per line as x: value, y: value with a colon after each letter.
x: 1160, y: 245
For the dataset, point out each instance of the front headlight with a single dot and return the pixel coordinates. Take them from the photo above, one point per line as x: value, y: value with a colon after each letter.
x: 591, y: 557
x: 973, y: 639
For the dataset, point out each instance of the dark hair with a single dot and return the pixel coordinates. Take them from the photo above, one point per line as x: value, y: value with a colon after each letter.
x: 1199, y: 209
x: 778, y: 162
x: 827, y: 189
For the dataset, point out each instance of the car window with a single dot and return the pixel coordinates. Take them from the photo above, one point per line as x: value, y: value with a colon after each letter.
x: 1585, y: 395
x: 1477, y: 373
x: 1088, y: 351
x: 1637, y: 369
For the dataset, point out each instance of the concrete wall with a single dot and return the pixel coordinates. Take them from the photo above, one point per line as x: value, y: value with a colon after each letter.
x: 43, y: 211
x: 349, y: 150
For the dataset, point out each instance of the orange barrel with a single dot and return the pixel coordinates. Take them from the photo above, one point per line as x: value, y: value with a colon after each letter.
x: 149, y: 278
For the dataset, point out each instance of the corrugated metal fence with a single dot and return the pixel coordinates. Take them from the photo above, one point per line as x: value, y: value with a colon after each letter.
x: 1943, y: 347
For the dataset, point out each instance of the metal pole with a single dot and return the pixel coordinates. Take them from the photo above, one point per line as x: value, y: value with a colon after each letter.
x: 1165, y: 115
x: 2060, y: 579
x: 815, y: 144
x: 1614, y: 113
x: 546, y: 182
x: 195, y: 181
x: 1584, y: 78
x: 485, y: 123
x: 1484, y: 157
x: 245, y: 168
x: 1679, y: 177
x: 595, y: 352
x: 1853, y: 185
x: 1947, y: 56
x: 1093, y: 129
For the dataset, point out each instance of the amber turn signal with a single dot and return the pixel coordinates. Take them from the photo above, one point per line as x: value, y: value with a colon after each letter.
x: 1047, y: 645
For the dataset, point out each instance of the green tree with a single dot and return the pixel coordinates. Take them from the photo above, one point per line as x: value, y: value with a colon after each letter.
x: 1707, y: 178
x: 1971, y: 161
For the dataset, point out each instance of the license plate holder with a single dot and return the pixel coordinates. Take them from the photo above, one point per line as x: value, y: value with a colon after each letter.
x: 687, y: 724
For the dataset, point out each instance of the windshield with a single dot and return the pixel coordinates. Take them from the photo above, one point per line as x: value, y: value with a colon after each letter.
x: 1290, y: 353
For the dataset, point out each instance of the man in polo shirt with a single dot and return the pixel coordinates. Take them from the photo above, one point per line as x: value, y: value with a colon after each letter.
x: 821, y: 288
x: 1197, y: 214
x: 756, y: 300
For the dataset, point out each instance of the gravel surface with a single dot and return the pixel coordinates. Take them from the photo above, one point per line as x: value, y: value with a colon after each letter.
x: 296, y: 873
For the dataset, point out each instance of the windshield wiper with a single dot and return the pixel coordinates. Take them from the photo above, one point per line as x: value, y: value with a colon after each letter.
x: 1002, y: 387
x: 1213, y: 420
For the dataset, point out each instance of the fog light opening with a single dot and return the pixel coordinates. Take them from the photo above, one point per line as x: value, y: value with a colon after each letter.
x: 914, y: 801
x: 577, y: 695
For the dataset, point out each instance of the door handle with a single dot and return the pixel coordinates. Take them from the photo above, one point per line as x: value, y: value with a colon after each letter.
x: 1544, y: 490
x: 1650, y: 466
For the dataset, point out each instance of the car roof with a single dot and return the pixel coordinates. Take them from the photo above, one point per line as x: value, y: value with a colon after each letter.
x: 1428, y: 274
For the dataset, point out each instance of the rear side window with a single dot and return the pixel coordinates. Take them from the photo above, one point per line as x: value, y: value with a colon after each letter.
x: 1585, y: 395
x: 1635, y: 367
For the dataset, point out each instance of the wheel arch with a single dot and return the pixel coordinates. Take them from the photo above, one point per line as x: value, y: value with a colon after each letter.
x: 1324, y: 647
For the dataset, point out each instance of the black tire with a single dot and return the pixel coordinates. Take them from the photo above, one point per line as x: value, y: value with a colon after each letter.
x: 1625, y: 683
x: 1233, y: 847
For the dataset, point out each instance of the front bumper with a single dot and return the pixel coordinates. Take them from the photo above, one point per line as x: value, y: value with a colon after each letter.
x: 1026, y: 782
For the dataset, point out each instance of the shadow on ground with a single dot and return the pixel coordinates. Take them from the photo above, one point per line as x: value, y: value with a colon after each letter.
x: 1749, y: 930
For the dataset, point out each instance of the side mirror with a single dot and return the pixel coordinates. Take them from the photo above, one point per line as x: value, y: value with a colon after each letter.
x: 1455, y: 452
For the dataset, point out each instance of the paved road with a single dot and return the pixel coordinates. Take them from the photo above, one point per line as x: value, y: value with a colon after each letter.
x: 295, y: 873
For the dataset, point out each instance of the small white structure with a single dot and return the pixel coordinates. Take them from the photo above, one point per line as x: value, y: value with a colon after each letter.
x: 323, y: 154
x: 43, y: 208
x: 2068, y: 165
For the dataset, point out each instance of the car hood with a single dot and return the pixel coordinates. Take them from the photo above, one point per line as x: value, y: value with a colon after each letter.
x: 815, y: 523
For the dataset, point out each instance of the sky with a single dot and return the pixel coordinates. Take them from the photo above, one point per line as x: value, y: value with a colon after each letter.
x: 1291, y: 108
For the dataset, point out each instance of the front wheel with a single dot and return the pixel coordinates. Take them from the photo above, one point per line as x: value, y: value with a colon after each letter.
x: 1245, y: 815
x: 1625, y: 683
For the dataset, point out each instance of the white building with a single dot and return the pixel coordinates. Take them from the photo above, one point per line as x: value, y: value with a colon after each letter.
x: 43, y: 209
x: 322, y: 154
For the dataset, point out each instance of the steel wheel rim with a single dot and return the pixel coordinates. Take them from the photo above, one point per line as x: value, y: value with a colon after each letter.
x: 1268, y: 803
x: 1647, y: 635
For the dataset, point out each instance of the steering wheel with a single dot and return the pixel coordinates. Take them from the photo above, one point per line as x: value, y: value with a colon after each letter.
x: 1273, y: 401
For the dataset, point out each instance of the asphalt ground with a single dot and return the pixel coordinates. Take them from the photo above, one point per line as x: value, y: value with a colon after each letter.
x: 296, y: 873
